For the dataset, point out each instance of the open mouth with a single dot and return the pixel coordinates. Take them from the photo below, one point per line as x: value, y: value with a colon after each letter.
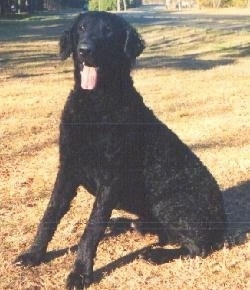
x: 88, y: 77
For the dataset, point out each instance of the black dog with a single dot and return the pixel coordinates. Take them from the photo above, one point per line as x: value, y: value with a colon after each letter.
x: 114, y: 146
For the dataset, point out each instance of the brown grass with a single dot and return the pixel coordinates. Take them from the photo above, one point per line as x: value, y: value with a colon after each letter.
x: 196, y: 81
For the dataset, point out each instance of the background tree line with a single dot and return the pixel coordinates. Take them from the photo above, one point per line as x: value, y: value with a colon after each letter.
x: 8, y: 7
x: 30, y: 6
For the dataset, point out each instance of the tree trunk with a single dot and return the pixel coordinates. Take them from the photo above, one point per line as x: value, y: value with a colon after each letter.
x: 19, y: 6
x: 124, y: 5
x: 118, y: 5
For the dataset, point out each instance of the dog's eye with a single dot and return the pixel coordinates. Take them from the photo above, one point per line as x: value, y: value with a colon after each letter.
x: 82, y: 27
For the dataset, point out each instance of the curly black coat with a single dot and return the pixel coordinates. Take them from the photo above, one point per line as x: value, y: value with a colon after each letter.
x: 114, y: 146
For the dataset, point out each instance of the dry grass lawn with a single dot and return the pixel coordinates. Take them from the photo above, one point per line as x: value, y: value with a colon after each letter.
x: 196, y: 80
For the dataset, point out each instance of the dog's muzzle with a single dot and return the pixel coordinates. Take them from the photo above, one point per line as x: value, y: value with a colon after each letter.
x: 85, y: 50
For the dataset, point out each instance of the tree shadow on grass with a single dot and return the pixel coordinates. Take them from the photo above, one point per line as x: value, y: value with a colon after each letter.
x: 186, y: 62
x: 50, y: 26
x: 43, y: 26
x: 193, y: 61
x: 192, y: 20
x: 237, y: 51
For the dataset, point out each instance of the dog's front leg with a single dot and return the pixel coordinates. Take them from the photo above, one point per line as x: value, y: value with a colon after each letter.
x: 81, y: 276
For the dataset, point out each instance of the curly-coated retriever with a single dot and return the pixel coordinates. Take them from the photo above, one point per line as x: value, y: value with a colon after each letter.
x: 114, y: 146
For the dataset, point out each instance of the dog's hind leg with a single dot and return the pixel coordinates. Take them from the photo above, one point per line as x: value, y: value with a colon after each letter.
x: 81, y: 276
x: 64, y: 191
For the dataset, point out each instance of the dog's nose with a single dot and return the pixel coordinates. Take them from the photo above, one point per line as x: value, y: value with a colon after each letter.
x: 85, y: 49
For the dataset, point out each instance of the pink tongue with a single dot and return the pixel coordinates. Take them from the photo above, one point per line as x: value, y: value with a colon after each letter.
x: 89, y: 77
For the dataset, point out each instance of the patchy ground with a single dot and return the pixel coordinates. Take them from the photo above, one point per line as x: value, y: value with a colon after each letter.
x: 195, y: 75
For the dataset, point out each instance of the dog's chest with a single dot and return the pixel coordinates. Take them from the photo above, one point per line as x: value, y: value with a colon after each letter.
x: 93, y: 133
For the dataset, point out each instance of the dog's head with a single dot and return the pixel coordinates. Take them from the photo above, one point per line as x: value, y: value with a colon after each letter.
x: 100, y: 40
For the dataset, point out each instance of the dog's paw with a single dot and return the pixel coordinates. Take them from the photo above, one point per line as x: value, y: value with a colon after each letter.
x: 76, y: 281
x: 28, y: 259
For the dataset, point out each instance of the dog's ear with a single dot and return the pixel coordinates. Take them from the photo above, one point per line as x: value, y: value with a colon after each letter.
x: 134, y: 44
x: 65, y: 45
